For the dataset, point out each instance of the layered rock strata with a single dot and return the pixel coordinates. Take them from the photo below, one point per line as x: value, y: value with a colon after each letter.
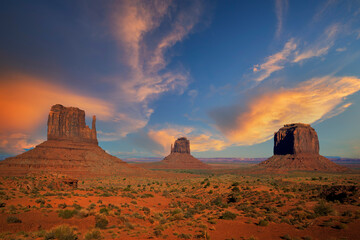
x: 179, y: 158
x: 71, y: 149
x: 296, y: 147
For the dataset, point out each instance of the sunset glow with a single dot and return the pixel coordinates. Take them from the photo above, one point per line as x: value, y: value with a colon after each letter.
x: 226, y: 76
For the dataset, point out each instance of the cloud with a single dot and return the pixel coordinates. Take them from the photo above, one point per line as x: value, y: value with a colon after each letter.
x: 274, y: 62
x: 200, y: 141
x: 146, y: 31
x: 295, y: 53
x: 25, y: 102
x: 15, y: 143
x: 341, y: 49
x: 311, y: 101
x: 321, y: 46
x: 281, y: 7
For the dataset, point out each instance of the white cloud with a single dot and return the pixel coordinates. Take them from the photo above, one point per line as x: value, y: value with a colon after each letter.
x: 274, y: 62
x: 135, y: 26
x: 280, y: 10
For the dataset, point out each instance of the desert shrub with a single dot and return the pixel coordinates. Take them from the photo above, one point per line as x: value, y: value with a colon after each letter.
x: 146, y: 210
x: 66, y: 214
x: 138, y: 216
x: 263, y: 223
x: 83, y: 213
x: 77, y: 206
x: 62, y: 232
x: 157, y: 232
x: 101, y: 221
x: 91, y: 206
x: 323, y: 208
x: 93, y: 234
x: 147, y: 195
x: 104, y: 211
x: 228, y: 215
x: 13, y: 219
x: 341, y: 226
x: 62, y: 205
x: 41, y: 201
x: 129, y: 225
x: 184, y: 236
x: 235, y: 184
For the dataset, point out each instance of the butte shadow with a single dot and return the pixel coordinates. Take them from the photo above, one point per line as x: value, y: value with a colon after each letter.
x: 179, y: 158
x: 72, y: 149
x: 296, y: 147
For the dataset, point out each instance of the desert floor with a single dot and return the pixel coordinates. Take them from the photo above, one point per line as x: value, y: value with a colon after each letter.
x: 212, y: 204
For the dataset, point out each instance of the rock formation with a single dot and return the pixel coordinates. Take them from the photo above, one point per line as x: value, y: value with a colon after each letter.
x: 68, y: 123
x: 181, y: 145
x: 296, y: 147
x: 71, y: 149
x: 179, y: 158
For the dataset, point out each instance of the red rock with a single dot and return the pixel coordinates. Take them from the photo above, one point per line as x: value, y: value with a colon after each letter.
x: 68, y: 123
x: 181, y: 145
x: 296, y: 138
x: 179, y: 158
x: 71, y: 149
x: 296, y: 147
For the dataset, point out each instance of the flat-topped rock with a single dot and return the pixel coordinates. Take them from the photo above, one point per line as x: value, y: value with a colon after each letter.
x: 181, y: 145
x: 296, y: 138
x: 296, y: 147
x: 179, y: 158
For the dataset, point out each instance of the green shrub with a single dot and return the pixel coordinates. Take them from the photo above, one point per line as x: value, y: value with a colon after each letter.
x: 62, y: 232
x: 323, y: 208
x: 263, y: 223
x: 341, y: 226
x: 93, y: 234
x: 66, y: 214
x: 101, y: 222
x: 13, y: 219
x: 228, y: 216
x: 184, y: 236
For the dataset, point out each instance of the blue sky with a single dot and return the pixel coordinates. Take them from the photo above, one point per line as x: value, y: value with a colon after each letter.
x: 226, y: 74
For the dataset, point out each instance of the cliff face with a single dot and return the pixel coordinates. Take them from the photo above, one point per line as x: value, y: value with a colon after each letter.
x: 296, y: 147
x: 180, y: 157
x: 181, y: 145
x: 296, y: 138
x: 71, y: 149
x: 68, y: 123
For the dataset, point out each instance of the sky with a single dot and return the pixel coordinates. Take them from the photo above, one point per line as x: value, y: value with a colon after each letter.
x: 225, y: 74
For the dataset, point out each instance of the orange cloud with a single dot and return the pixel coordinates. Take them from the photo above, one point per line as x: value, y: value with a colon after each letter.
x: 314, y: 100
x: 26, y: 100
x: 15, y: 143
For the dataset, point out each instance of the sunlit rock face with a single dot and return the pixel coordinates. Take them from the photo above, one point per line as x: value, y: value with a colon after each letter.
x: 296, y: 138
x: 181, y: 145
x: 71, y: 149
x: 296, y: 147
x: 68, y: 123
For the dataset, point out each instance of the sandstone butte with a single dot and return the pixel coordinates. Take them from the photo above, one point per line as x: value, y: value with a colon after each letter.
x: 179, y: 158
x: 296, y: 147
x: 71, y: 148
